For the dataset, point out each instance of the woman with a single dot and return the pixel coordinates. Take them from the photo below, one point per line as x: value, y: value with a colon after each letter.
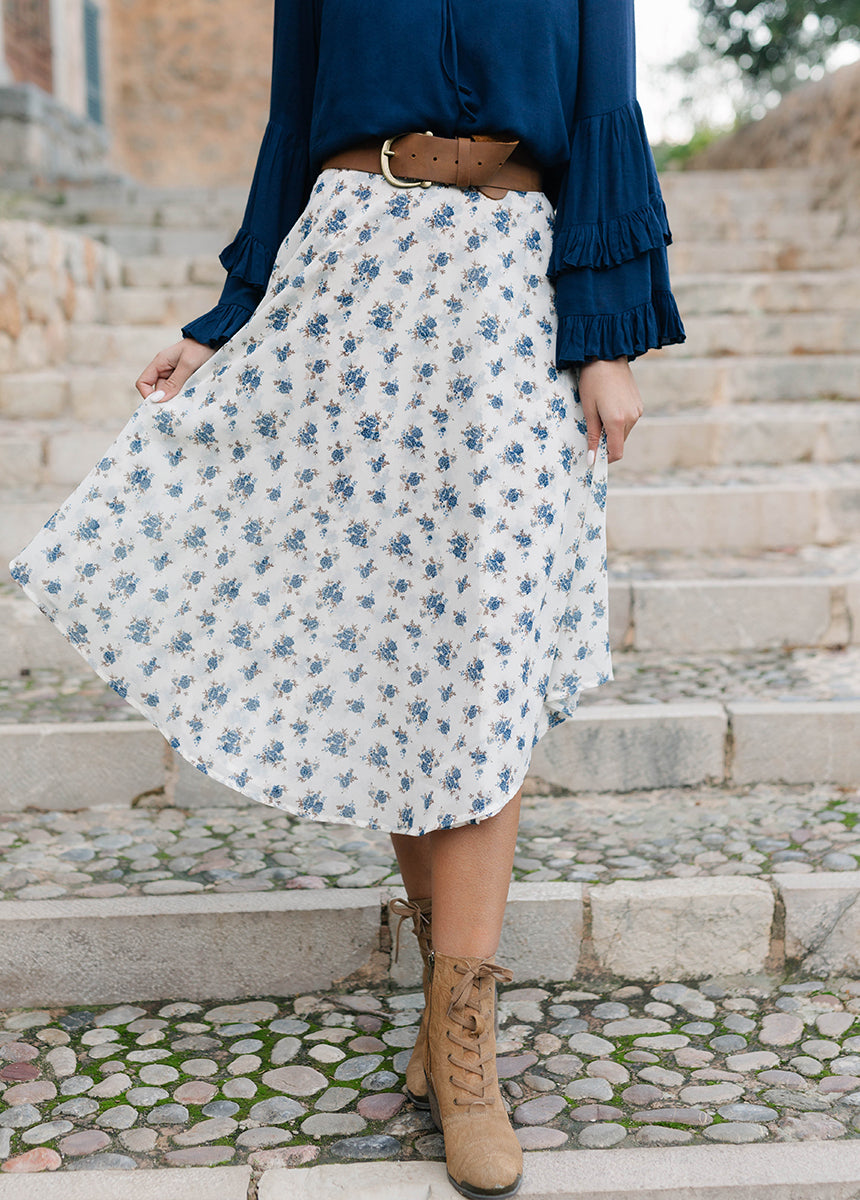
x: 352, y: 560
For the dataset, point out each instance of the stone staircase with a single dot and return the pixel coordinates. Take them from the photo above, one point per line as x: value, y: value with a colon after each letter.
x: 734, y: 530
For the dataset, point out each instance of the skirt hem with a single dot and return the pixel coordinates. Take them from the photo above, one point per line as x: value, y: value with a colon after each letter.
x: 55, y: 615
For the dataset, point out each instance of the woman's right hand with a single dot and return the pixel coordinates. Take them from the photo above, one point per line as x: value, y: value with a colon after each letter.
x: 171, y: 369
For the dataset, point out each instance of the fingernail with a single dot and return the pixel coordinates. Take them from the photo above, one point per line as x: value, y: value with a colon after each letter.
x: 590, y: 457
x: 156, y: 395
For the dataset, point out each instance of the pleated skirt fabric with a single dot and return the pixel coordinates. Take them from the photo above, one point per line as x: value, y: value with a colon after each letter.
x: 356, y: 568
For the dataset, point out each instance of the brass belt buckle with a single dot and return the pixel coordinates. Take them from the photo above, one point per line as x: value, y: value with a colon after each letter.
x: 387, y: 152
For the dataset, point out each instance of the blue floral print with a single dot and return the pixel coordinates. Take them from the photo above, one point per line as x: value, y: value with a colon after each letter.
x: 356, y: 568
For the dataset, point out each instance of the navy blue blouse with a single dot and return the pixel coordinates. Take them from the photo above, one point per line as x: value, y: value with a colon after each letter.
x: 558, y: 74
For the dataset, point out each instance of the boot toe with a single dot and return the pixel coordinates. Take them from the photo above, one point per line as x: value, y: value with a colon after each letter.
x: 491, y: 1165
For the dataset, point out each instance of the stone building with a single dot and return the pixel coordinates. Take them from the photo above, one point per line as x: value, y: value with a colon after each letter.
x: 165, y: 91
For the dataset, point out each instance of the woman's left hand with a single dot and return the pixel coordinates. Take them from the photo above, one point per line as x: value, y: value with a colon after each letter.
x: 611, y: 401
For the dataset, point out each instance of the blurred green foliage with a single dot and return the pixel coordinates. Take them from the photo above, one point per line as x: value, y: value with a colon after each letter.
x: 775, y: 43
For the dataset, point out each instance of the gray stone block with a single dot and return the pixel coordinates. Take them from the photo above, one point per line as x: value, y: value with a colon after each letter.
x: 745, y: 517
x: 852, y: 605
x: 699, y: 615
x: 620, y: 613
x: 75, y: 765
x: 42, y: 139
x: 105, y: 394
x: 542, y: 934
x: 29, y: 640
x: 773, y: 1171
x: 815, y: 742
x: 681, y: 928
x: 189, y: 1183
x: 541, y: 938
x: 201, y: 947
x: 623, y: 747
x: 71, y: 454
x: 669, y: 383
x: 33, y: 394
x: 190, y: 788
x: 20, y: 457
x: 822, y: 921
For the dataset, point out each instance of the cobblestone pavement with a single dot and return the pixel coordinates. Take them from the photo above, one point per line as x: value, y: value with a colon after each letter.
x: 49, y: 694
x: 653, y: 677
x: 103, y: 852
x: 319, y: 1078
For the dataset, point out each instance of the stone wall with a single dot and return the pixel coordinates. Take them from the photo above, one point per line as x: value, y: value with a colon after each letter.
x: 188, y: 88
x: 27, y: 41
x: 43, y: 142
x: 49, y: 278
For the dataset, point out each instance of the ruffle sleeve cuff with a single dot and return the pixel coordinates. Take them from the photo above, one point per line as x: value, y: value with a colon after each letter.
x: 651, y: 325
x: 217, y: 326
x: 234, y: 308
x: 608, y: 257
x: 610, y: 207
x: 279, y: 192
x: 625, y: 309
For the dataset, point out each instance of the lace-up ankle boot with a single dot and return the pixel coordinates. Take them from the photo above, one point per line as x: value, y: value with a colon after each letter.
x: 483, y: 1154
x: 420, y: 913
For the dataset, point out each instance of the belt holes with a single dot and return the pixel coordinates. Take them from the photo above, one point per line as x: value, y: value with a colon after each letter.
x: 435, y: 159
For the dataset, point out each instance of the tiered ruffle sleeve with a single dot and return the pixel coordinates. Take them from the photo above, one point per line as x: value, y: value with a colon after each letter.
x: 608, y: 259
x: 281, y: 184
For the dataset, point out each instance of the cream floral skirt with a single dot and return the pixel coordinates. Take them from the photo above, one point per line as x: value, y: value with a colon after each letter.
x: 357, y: 568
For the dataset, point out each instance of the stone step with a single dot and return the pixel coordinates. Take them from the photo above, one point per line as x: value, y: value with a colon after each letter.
x: 753, y: 292
x: 779, y: 334
x: 60, y: 450
x: 756, y: 508
x: 609, y: 746
x: 790, y: 184
x: 730, y: 615
x: 696, y: 858
x: 705, y: 294
x: 97, y: 345
x: 174, y: 270
x: 156, y: 239
x: 174, y: 306
x: 178, y: 844
x: 818, y: 431
x: 689, y: 221
x: 694, y: 255
x: 739, y: 509
x: 766, y: 335
x: 674, y: 604
x: 721, y: 926
x: 705, y: 601
x: 669, y: 381
x: 92, y: 395
x: 799, y: 1171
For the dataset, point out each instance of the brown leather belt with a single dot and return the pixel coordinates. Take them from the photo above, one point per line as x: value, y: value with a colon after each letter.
x: 419, y: 159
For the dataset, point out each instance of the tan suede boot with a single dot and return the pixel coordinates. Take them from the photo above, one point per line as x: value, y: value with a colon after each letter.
x: 483, y: 1153
x: 421, y: 913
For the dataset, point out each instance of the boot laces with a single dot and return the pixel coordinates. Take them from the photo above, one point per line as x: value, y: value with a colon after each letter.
x: 467, y: 1011
x: 405, y: 910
